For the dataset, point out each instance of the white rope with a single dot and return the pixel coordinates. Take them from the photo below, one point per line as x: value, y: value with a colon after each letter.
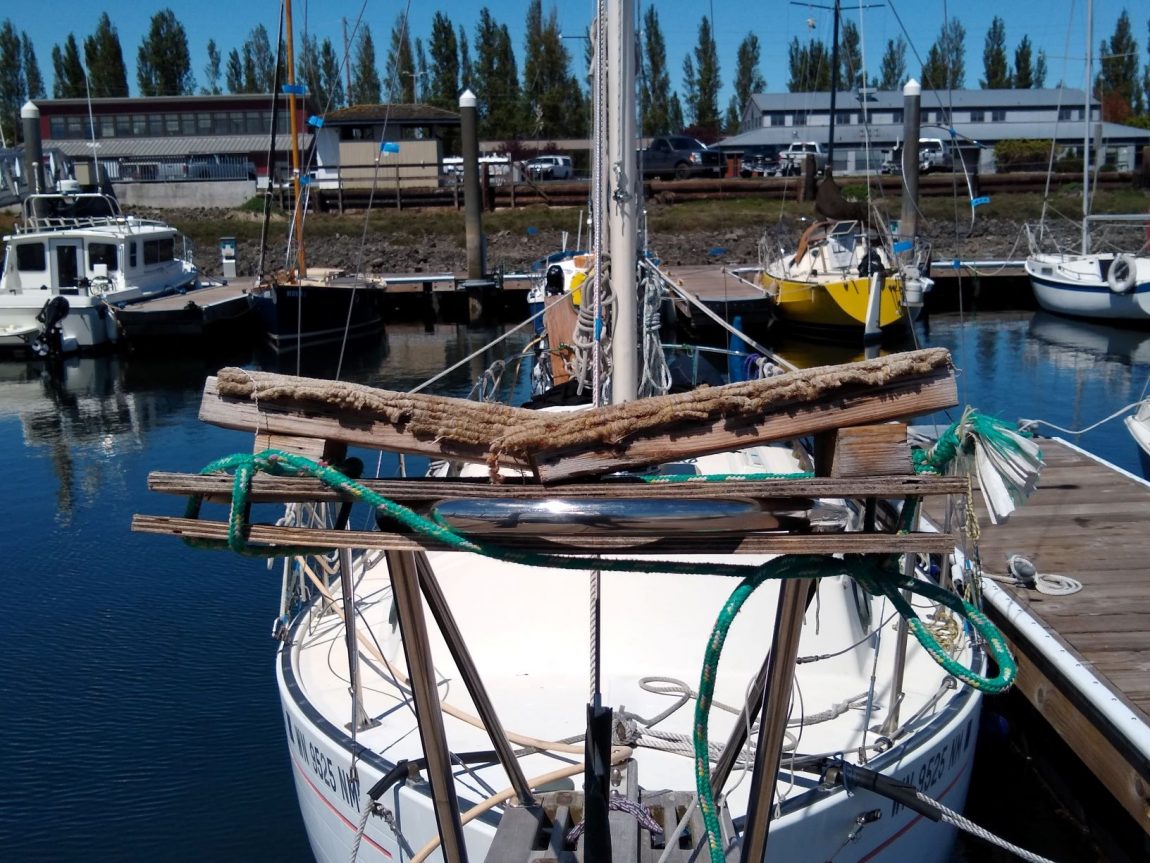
x: 952, y: 817
x: 1026, y: 425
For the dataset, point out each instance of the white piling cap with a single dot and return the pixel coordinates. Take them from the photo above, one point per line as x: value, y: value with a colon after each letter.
x: 912, y: 88
x: 467, y: 99
x: 29, y: 111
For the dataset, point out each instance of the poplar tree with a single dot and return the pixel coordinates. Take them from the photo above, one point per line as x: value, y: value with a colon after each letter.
x: 810, y: 66
x: 851, y: 73
x: 444, y: 49
x: 365, y: 88
x: 1023, y: 78
x: 655, y: 88
x: 33, y: 80
x: 163, y: 64
x: 212, y: 70
x: 701, y: 81
x: 69, y: 79
x: 1116, y: 82
x: 421, y: 73
x: 496, y: 80
x: 552, y: 96
x: 893, y: 66
x: 1040, y: 70
x: 234, y: 72
x: 107, y: 76
x: 748, y: 81
x: 12, y: 83
x: 466, y: 70
x: 259, y: 62
x: 675, y: 112
x: 994, y: 65
x: 945, y: 66
x: 400, y: 70
x: 330, y: 77
x: 307, y: 70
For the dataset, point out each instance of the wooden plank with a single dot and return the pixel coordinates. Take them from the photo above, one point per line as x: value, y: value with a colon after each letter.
x: 868, y: 450
x: 269, y: 489
x: 878, y: 404
x: 559, y: 320
x: 766, y: 543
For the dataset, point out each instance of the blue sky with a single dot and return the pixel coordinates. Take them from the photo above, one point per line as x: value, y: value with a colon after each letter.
x: 1056, y: 26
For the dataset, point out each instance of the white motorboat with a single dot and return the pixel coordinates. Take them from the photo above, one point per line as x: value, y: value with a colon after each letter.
x: 72, y: 261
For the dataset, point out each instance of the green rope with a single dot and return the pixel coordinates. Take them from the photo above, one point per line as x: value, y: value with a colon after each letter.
x: 881, y: 577
x: 958, y: 436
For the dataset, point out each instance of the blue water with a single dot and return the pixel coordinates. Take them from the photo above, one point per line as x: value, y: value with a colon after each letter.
x: 138, y: 709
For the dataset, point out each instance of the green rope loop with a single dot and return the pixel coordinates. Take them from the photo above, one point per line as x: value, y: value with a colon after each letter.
x: 958, y: 437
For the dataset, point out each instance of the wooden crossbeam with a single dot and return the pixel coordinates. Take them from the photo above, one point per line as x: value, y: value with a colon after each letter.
x: 763, y: 543
x: 420, y: 490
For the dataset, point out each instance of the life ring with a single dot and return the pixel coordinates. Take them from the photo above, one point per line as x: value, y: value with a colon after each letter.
x: 1120, y: 276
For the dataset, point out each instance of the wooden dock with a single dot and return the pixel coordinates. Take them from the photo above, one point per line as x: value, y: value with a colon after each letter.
x: 704, y: 295
x: 1084, y: 658
x: 189, y: 315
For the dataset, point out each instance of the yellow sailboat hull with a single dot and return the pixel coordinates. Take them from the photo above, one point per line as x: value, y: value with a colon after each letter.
x: 841, y: 303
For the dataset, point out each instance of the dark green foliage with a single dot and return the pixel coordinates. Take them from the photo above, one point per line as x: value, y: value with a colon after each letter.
x: 163, y: 64
x: 1116, y: 84
x: 1023, y: 78
x: 399, y: 73
x: 330, y: 78
x: 365, y: 88
x: 655, y: 86
x: 212, y: 70
x: 945, y: 66
x: 444, y: 86
x: 851, y: 73
x: 1040, y: 70
x: 994, y: 67
x: 702, y: 82
x: 12, y: 84
x: 33, y: 80
x: 69, y: 82
x: 259, y: 62
x: 748, y: 81
x: 234, y: 72
x: 554, y: 102
x: 495, y: 80
x: 893, y: 65
x: 810, y: 66
x: 107, y: 76
x: 1022, y: 154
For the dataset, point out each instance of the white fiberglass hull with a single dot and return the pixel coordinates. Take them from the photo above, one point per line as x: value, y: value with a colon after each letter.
x: 1077, y: 285
x: 89, y: 324
x: 527, y: 631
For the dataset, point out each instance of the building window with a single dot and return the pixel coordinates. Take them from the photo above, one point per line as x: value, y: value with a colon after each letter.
x: 123, y: 125
x: 1065, y: 113
x: 103, y: 253
x: 842, y: 118
x: 31, y: 256
x: 977, y: 116
x: 140, y: 125
x: 159, y: 251
x: 896, y: 117
x: 998, y: 116
x: 800, y: 118
x: 778, y: 118
x: 56, y: 127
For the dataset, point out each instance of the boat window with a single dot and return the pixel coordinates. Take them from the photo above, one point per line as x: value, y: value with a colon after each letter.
x: 31, y: 256
x: 132, y: 259
x: 103, y: 253
x: 159, y: 251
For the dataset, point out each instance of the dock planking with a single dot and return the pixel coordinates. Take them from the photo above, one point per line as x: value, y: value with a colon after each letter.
x: 1087, y: 520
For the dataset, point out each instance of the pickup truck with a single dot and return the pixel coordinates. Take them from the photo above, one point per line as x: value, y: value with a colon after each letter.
x: 680, y: 157
x: 792, y: 159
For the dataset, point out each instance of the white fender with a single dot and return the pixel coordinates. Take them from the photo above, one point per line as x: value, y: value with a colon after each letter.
x: 1121, y: 274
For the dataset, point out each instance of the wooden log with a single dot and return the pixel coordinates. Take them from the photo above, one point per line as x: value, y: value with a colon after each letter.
x: 273, y: 536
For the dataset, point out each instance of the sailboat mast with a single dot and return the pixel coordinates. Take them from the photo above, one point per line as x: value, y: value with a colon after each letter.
x: 623, y: 207
x: 834, y: 87
x: 293, y: 121
x: 1086, y: 118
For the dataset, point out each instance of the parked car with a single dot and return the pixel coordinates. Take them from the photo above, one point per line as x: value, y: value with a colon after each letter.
x: 680, y: 157
x: 760, y: 160
x: 216, y: 166
x: 550, y: 168
x: 934, y: 154
x: 792, y: 159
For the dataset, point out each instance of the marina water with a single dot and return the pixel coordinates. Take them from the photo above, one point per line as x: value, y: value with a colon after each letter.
x: 139, y: 709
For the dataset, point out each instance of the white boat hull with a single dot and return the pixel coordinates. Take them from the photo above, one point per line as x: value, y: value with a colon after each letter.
x: 1076, y: 285
x: 89, y: 324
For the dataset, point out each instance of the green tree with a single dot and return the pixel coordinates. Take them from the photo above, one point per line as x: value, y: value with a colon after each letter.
x: 893, y: 66
x: 748, y: 81
x: 810, y: 66
x: 422, y: 90
x: 307, y: 70
x: 234, y: 72
x: 1117, y: 81
x: 702, y: 82
x: 107, y: 76
x: 69, y: 79
x: 33, y: 80
x: 1023, y: 78
x: 496, y: 80
x: 399, y: 74
x: 552, y: 97
x: 163, y: 64
x: 655, y: 88
x: 444, y: 49
x: 365, y: 87
x: 851, y: 72
x: 212, y: 70
x: 330, y: 77
x: 675, y: 112
x: 12, y: 83
x: 994, y: 66
x: 259, y: 62
x: 945, y: 66
x: 466, y: 70
x: 1040, y: 70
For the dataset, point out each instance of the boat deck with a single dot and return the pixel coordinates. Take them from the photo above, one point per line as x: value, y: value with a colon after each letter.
x: 187, y: 314
x: 1087, y: 520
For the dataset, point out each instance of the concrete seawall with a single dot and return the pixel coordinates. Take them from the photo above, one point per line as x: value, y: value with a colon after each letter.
x: 191, y: 195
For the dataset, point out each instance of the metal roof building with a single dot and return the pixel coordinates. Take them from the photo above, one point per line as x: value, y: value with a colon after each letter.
x: 868, y: 122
